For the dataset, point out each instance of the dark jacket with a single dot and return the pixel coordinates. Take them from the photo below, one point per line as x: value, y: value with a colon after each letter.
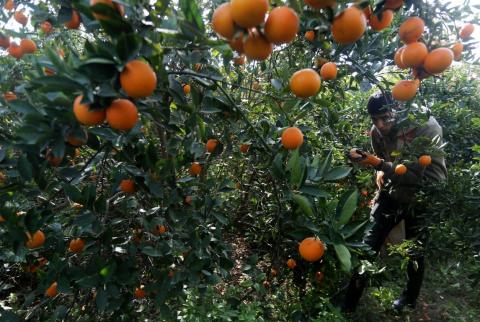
x: 404, y: 187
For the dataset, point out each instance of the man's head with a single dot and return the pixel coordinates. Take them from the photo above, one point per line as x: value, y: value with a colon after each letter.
x: 380, y: 107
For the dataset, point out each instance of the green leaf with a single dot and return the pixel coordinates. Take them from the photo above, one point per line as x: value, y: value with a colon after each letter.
x: 303, y: 203
x: 25, y: 168
x: 57, y: 83
x: 192, y: 13
x: 337, y: 173
x: 151, y: 251
x: 344, y: 256
x: 72, y: 192
x: 325, y: 165
x: 127, y: 46
x: 101, y: 300
x: 314, y: 191
x: 347, y: 206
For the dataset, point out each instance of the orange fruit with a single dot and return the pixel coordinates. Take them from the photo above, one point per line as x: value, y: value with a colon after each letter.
x: 292, y: 138
x: 425, y: 160
x: 9, y: 96
x: 127, y: 186
x: 15, y: 50
x: 244, y: 148
x: 249, y: 13
x: 457, y: 49
x: 195, y: 169
x: 349, y: 26
x: 237, y: 44
x: 319, y: 276
x: 393, y: 4
x: 282, y: 25
x: 46, y: 27
x: 321, y: 4
x: 400, y: 169
x: 311, y: 249
x: 122, y: 115
x: 438, y: 60
x: 36, y: 240
x: 385, y: 21
x: 138, y: 79
x: 222, y: 21
x: 398, y: 58
x: 76, y: 245
x: 28, y: 46
x: 411, y: 30
x: 211, y: 145
x: 160, y: 229
x: 466, y: 31
x: 186, y: 89
x: 414, y: 54
x: 240, y: 60
x: 74, y: 21
x: 52, y: 290
x: 118, y: 7
x: 4, y: 41
x: 291, y: 263
x: 77, y: 140
x: 139, y: 292
x: 328, y: 71
x: 257, y: 47
x: 20, y: 17
x: 53, y: 160
x: 9, y: 5
x: 305, y: 83
x: 404, y: 90
x: 86, y: 116
x: 310, y: 35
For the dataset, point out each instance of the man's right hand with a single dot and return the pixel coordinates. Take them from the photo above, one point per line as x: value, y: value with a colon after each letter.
x: 379, y: 180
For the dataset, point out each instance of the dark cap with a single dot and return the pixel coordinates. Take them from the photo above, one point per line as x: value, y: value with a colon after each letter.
x: 380, y: 102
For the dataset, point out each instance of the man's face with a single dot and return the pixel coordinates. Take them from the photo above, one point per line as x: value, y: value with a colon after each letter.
x: 384, y: 122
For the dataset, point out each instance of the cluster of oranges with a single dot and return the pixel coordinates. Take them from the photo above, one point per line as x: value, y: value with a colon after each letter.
x: 424, y: 63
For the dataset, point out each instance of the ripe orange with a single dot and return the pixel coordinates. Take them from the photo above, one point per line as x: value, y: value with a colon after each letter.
x: 20, y: 17
x: 393, y: 4
x: 9, y: 5
x: 425, y: 160
x: 15, y: 51
x: 9, y: 96
x: 222, y: 21
x: 349, y: 25
x: 398, y: 58
x: 52, y: 290
x: 139, y: 292
x: 127, y: 186
x: 240, y: 60
x: 311, y: 249
x: 160, y: 229
x: 186, y: 89
x: 249, y: 13
x: 211, y: 145
x: 400, y: 169
x: 411, y: 30
x: 74, y: 22
x: 310, y: 35
x: 35, y: 241
x: 195, y: 169
x: 321, y: 4
x: 237, y: 44
x: 76, y: 245
x: 28, y: 46
x: 457, y: 49
x: 138, y: 79
x: 414, y: 54
x: 244, y: 148
x: 257, y: 47
x: 4, y: 41
x: 292, y: 138
x: 378, y: 24
x: 319, y: 276
x: 291, y: 263
x: 282, y: 25
x: 305, y: 83
x: 467, y: 30
x: 86, y: 116
x: 46, y: 27
x: 438, y: 60
x: 122, y: 115
x: 53, y: 160
x: 405, y: 90
x: 118, y: 7
x: 329, y: 71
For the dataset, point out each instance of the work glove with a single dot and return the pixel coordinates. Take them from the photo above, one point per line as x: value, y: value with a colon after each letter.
x: 358, y: 156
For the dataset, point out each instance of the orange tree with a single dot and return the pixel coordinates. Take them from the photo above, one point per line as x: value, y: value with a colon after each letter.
x: 135, y: 141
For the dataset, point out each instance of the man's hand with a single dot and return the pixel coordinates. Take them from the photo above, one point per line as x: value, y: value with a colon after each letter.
x: 357, y: 155
x: 379, y: 180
